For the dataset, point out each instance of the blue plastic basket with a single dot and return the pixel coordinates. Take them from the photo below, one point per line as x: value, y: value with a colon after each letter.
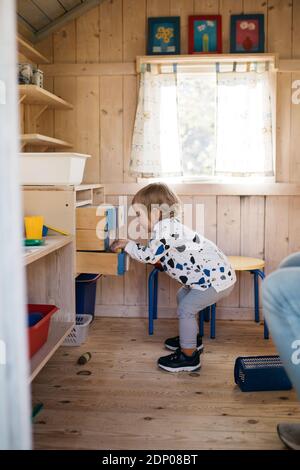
x: 260, y: 373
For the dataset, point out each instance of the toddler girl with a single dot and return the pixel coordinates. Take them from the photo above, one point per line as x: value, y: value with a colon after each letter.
x: 195, y: 262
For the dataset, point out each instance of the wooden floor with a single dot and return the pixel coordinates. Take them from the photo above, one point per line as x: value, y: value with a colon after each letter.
x: 126, y: 402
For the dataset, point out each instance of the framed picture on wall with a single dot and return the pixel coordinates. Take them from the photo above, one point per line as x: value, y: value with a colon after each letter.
x: 163, y: 35
x: 205, y: 34
x: 247, y: 34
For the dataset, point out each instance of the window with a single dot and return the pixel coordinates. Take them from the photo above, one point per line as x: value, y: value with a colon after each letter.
x: 204, y: 125
x: 197, y: 118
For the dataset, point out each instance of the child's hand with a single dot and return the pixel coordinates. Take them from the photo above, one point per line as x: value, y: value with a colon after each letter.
x: 118, y: 245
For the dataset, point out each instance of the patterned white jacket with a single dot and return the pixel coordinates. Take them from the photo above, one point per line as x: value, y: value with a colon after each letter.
x: 185, y: 256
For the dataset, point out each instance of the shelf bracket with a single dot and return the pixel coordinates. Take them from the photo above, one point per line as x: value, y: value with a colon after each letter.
x: 39, y: 112
x: 22, y: 98
x: 32, y: 114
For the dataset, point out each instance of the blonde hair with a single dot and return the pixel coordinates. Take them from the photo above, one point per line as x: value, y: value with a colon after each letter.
x: 159, y: 194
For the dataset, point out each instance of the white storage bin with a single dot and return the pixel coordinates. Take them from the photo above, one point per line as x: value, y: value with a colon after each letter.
x: 52, y: 168
x: 80, y: 331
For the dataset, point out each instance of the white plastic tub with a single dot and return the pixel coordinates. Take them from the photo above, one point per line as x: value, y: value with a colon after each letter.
x: 52, y: 168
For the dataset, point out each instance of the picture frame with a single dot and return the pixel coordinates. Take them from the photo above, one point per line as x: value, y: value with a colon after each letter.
x: 247, y: 34
x: 205, y: 34
x: 163, y: 35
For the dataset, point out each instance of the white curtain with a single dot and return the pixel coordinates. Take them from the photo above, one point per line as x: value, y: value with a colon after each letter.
x: 203, y: 124
x: 244, y: 124
x: 156, y: 146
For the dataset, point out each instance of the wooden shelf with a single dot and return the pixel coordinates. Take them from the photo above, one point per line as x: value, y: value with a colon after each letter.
x: 52, y: 243
x: 88, y: 194
x: 81, y: 187
x: 57, y: 333
x: 84, y: 187
x: 84, y: 202
x: 27, y: 50
x: 38, y: 140
x: 33, y: 94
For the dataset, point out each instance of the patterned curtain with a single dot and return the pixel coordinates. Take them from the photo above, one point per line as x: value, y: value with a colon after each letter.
x: 156, y: 143
x: 244, y: 125
x: 200, y: 125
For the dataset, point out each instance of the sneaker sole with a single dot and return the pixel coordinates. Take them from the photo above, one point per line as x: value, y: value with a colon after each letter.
x: 286, y: 442
x: 180, y: 369
x: 172, y: 348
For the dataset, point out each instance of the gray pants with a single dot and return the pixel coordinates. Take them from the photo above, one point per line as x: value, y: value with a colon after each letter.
x: 189, y: 303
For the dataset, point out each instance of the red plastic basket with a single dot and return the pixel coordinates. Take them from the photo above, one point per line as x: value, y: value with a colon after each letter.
x: 38, y: 333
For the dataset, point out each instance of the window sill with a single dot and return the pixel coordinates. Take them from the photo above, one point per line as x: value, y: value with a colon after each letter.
x: 209, y: 180
x: 211, y: 189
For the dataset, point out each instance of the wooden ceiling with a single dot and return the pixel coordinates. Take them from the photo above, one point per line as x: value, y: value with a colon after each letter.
x: 41, y: 17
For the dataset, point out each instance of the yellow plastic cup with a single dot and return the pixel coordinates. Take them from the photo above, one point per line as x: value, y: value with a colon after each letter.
x: 34, y: 227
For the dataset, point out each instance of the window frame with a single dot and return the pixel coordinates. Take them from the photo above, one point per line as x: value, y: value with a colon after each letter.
x: 164, y: 63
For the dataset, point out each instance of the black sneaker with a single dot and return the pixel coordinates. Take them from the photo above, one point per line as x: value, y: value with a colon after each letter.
x: 173, y: 343
x: 178, y: 361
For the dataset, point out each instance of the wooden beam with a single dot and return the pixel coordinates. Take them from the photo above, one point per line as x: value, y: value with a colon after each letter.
x: 130, y: 68
x: 197, y: 59
x: 72, y: 70
x: 26, y: 29
x: 72, y: 14
x: 30, y: 52
x: 289, y: 65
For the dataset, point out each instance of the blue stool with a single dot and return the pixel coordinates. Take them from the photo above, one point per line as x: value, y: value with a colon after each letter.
x: 152, y: 298
x: 239, y: 263
x: 208, y: 314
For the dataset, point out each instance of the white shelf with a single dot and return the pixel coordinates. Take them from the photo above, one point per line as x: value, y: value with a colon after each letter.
x: 57, y: 333
x: 52, y: 243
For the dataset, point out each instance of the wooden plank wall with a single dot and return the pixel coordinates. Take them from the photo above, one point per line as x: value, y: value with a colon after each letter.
x: 112, y: 35
x: 258, y: 226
